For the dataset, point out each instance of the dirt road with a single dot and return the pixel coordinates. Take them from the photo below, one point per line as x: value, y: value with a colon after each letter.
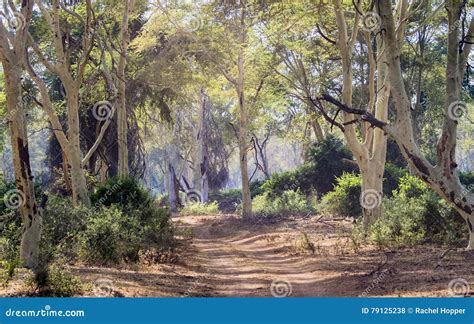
x: 222, y: 255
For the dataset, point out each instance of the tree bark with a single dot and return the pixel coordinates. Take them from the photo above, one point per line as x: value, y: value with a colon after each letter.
x: 12, y: 47
x: 443, y: 177
x: 122, y: 127
x: 243, y: 122
x: 78, y: 179
x: 24, y: 197
x: 371, y: 153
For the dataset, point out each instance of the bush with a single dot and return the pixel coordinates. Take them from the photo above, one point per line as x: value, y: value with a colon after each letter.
x: 392, y: 176
x: 62, y: 283
x: 62, y: 223
x: 401, y: 223
x: 200, y: 209
x: 289, y: 203
x: 104, y: 241
x: 416, y: 214
x: 126, y: 192
x: 327, y: 160
x: 344, y: 199
x: 112, y: 236
x: 227, y: 200
x: 54, y: 280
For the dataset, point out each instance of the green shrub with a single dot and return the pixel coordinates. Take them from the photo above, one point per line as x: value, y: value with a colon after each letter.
x: 126, y: 192
x: 103, y: 240
x: 211, y: 208
x: 289, y: 203
x: 401, y: 223
x: 54, y: 280
x: 227, y: 200
x: 62, y: 283
x: 417, y: 214
x: 344, y: 199
x: 327, y: 160
x: 256, y: 188
x: 392, y: 176
x: 62, y: 223
x: 112, y: 236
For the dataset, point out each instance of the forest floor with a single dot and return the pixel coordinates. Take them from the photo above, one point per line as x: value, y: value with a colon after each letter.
x: 223, y: 255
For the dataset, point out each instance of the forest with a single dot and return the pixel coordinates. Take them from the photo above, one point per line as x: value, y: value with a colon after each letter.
x: 236, y: 148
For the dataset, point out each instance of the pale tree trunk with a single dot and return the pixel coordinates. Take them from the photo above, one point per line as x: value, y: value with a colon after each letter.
x: 243, y: 130
x: 369, y: 155
x: 62, y: 68
x: 122, y: 127
x: 78, y: 179
x: 317, y: 129
x: 443, y: 177
x: 12, y: 47
x: 24, y: 197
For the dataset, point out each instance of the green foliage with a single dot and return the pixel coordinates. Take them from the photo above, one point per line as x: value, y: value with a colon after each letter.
x: 344, y: 199
x: 112, y: 235
x: 416, y: 214
x: 54, y: 280
x: 62, y: 224
x: 256, y: 188
x: 290, y: 203
x: 124, y: 220
x: 401, y: 223
x: 392, y: 176
x: 126, y: 192
x: 103, y: 240
x: 227, y: 200
x: 211, y: 208
x: 62, y: 283
x: 327, y: 161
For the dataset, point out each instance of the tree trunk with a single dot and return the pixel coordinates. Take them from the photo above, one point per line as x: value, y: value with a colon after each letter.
x: 318, y: 131
x: 243, y: 147
x: 24, y: 196
x: 443, y: 177
x: 172, y: 192
x: 122, y: 127
x: 78, y: 178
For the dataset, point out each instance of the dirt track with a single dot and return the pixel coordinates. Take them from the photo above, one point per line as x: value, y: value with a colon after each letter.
x: 226, y: 256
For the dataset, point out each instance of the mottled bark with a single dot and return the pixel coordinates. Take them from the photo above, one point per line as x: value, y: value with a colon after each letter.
x: 12, y: 48
x: 442, y: 177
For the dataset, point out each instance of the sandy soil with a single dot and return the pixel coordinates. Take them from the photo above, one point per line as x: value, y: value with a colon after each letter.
x: 223, y: 255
